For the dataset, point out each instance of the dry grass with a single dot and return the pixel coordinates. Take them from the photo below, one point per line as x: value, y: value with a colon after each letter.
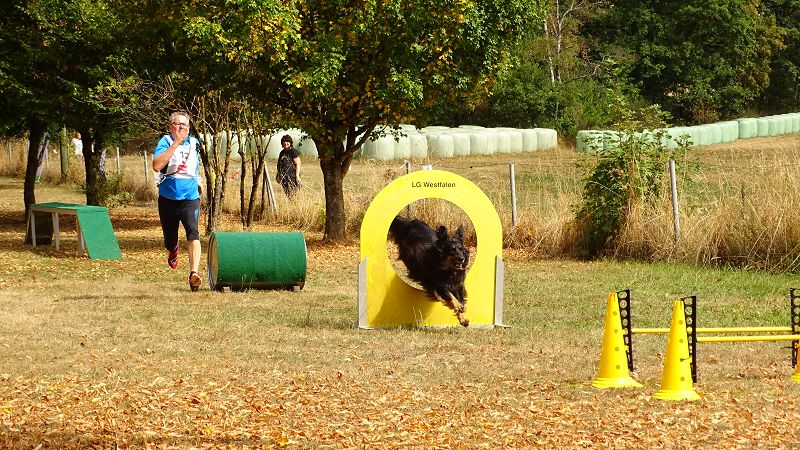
x: 738, y: 209
x: 121, y: 354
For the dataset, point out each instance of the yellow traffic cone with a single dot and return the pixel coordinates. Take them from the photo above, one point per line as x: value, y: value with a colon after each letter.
x: 613, y: 360
x: 796, y: 376
x: 676, y: 380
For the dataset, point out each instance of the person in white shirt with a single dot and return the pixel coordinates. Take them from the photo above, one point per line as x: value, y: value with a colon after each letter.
x: 78, y: 144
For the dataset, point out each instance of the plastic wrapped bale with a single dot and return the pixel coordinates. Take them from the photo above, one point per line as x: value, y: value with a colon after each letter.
x: 274, y: 146
x: 716, y: 133
x: 307, y: 147
x: 730, y: 131
x: 674, y: 134
x: 528, y: 140
x: 516, y: 141
x: 461, y: 143
x: 762, y: 127
x: 546, y: 138
x: 491, y: 141
x: 589, y: 141
x: 478, y: 143
x: 254, y: 143
x: 227, y: 140
x: 251, y: 260
x: 503, y: 140
x: 418, y: 145
x: 748, y: 128
x: 776, y: 125
x: 402, y: 147
x: 610, y: 139
x: 787, y: 123
x: 440, y: 145
x: 381, y: 148
x: 701, y: 135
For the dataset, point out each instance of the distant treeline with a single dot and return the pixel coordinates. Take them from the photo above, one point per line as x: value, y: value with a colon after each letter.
x: 701, y: 61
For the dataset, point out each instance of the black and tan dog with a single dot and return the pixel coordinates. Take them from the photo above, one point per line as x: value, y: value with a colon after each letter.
x: 435, y: 260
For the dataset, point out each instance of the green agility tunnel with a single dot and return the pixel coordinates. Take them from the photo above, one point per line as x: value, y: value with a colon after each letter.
x: 249, y: 260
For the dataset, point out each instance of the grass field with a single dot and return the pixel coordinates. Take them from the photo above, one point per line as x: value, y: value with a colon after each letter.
x: 99, y: 354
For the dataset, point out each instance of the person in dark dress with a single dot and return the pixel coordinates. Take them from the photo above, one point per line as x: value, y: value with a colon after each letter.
x: 288, y: 170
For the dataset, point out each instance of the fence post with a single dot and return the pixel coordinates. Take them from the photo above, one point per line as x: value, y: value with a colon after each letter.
x: 146, y: 171
x: 673, y: 185
x: 118, y: 164
x: 8, y: 141
x: 513, y: 195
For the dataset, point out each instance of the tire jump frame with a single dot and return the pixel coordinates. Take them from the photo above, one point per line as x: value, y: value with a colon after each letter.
x: 385, y: 300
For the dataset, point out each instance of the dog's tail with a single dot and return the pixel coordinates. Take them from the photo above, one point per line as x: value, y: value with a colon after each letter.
x: 398, y: 227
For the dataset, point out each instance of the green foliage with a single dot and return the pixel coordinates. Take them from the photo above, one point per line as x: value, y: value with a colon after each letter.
x: 526, y: 98
x: 701, y: 60
x: 549, y: 82
x: 342, y: 68
x: 53, y: 53
x: 629, y: 172
x: 783, y: 92
x: 111, y: 191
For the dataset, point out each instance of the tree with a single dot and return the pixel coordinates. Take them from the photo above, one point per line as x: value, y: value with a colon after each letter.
x: 702, y: 60
x: 783, y: 93
x: 552, y: 80
x: 54, y: 53
x: 560, y: 28
x: 22, y: 88
x: 341, y: 68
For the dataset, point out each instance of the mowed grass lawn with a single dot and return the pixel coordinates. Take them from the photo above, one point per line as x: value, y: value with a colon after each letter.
x: 119, y: 354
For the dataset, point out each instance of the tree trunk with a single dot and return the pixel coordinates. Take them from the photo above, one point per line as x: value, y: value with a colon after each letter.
x: 258, y: 172
x: 215, y: 178
x: 63, y: 152
x: 36, y: 131
x: 93, y: 144
x: 333, y: 172
x: 242, y: 180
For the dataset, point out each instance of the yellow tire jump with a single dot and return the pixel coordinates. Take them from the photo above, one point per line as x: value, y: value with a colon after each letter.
x: 385, y: 300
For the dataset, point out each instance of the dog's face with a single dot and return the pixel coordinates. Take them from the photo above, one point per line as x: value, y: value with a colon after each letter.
x: 455, y: 256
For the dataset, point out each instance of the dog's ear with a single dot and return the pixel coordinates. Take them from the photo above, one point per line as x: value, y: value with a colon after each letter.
x: 460, y: 233
x: 441, y: 232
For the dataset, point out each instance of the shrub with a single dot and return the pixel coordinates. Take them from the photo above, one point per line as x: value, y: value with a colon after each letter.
x: 628, y: 172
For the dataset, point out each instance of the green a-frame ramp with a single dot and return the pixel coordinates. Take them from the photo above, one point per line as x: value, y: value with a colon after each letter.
x: 94, y: 228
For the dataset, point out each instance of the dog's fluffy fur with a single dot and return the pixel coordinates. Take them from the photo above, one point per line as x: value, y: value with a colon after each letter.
x: 435, y: 260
